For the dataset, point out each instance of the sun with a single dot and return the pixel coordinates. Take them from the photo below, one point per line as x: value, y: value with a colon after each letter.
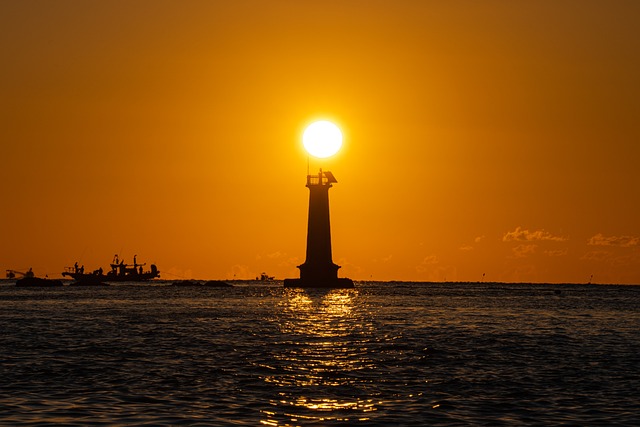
x: 322, y: 139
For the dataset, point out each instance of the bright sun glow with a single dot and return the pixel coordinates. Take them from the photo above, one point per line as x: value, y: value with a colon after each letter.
x: 322, y: 139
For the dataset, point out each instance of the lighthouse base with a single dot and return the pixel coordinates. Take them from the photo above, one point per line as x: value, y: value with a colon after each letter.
x: 337, y: 283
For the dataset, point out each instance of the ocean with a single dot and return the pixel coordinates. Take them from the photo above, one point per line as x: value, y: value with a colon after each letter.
x: 404, y: 354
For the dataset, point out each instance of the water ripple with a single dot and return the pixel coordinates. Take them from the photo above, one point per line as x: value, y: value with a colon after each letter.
x: 410, y: 354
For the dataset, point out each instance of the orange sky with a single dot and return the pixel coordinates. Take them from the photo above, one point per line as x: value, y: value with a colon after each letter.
x: 497, y: 138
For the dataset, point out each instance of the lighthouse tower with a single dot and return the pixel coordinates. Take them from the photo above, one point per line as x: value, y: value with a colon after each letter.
x: 318, y: 270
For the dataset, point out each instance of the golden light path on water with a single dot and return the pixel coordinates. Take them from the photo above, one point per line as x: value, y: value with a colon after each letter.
x: 325, y: 343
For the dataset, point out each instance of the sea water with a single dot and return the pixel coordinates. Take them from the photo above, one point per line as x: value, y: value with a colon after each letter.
x: 406, y: 354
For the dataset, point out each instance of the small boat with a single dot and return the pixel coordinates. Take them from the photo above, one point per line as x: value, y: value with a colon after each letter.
x: 29, y: 279
x: 120, y: 272
x: 265, y: 278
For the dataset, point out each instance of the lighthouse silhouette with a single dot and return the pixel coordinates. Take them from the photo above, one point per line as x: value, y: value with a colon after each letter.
x: 318, y: 270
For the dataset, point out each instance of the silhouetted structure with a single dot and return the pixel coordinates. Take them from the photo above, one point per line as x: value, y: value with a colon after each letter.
x: 318, y: 270
x: 120, y: 272
x: 12, y: 273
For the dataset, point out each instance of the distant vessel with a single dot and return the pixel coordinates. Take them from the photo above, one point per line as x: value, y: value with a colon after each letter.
x: 29, y: 279
x: 120, y: 272
x: 265, y: 278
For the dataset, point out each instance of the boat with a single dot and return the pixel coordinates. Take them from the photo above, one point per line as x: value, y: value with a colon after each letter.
x: 120, y: 272
x: 265, y: 278
x: 29, y: 279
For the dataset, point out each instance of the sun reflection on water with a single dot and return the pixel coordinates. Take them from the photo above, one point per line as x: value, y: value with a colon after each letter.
x: 325, y: 338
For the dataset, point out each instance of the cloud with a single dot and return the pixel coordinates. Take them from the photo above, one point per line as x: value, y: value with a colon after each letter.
x: 274, y: 255
x: 596, y: 256
x: 430, y: 260
x: 520, y: 235
x: 468, y: 247
x: 384, y: 259
x: 621, y: 241
x: 523, y: 251
x: 611, y: 259
x: 559, y: 252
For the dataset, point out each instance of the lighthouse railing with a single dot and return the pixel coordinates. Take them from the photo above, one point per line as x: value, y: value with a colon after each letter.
x: 313, y: 180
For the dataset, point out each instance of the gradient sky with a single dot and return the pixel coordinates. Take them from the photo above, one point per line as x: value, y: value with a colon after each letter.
x: 493, y: 138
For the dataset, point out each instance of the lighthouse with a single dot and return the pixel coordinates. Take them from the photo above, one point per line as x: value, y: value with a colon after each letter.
x: 318, y: 270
